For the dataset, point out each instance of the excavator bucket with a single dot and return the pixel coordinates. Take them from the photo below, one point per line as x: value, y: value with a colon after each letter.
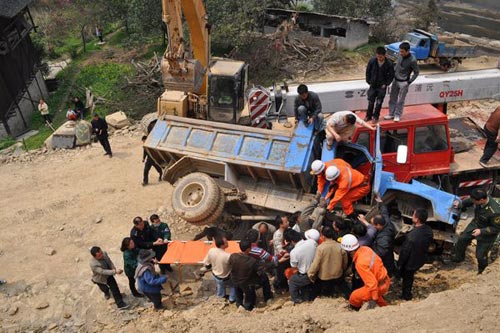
x: 186, y: 75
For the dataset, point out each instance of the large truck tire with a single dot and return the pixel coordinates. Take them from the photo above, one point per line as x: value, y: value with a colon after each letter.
x: 196, y: 197
x: 216, y: 214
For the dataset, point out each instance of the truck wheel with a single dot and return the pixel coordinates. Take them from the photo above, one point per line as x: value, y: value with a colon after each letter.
x: 195, y: 197
x: 216, y: 214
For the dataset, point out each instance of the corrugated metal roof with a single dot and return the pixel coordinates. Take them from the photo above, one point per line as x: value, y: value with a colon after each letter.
x: 10, y: 8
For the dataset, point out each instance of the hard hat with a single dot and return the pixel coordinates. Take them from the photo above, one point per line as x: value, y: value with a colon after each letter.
x: 317, y: 167
x: 349, y: 243
x: 312, y: 234
x: 332, y: 173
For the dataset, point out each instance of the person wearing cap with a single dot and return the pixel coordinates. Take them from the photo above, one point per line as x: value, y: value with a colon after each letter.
x: 301, y: 258
x: 104, y: 271
x: 371, y: 270
x: 347, y: 185
x: 484, y: 228
x: 149, y: 282
x: 100, y: 129
x: 328, y: 266
x: 341, y: 125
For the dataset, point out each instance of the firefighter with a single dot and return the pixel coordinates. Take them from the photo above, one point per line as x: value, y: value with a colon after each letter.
x: 371, y: 270
x: 485, y: 227
x: 347, y: 185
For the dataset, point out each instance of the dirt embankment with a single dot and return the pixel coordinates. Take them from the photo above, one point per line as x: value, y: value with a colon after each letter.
x: 59, y: 204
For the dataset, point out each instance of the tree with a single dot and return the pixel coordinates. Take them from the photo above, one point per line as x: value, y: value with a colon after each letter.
x: 233, y: 21
x: 426, y: 14
x: 353, y: 8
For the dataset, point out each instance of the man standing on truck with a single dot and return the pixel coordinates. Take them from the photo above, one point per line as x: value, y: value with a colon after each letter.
x: 307, y: 108
x: 492, y: 135
x: 341, y: 125
x: 347, y: 185
x: 379, y: 75
x: 406, y: 64
x: 484, y: 227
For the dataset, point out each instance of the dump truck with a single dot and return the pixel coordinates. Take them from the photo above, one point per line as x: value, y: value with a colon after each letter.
x: 224, y: 172
x: 428, y: 48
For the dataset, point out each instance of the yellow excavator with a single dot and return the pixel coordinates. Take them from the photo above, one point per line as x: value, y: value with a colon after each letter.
x: 198, y: 86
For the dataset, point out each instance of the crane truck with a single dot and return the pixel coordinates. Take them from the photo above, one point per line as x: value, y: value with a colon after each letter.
x: 224, y: 171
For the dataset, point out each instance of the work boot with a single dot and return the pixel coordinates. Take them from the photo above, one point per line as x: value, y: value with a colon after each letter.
x: 388, y: 117
x: 123, y: 306
x: 353, y: 308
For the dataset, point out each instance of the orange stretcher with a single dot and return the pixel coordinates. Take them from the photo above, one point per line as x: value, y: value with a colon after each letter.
x: 191, y: 252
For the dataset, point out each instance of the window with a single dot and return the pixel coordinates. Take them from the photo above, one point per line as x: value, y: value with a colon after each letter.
x: 364, y: 140
x: 430, y: 138
x: 391, y: 139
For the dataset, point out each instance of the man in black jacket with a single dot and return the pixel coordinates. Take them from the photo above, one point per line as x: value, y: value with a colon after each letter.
x: 100, y: 128
x: 307, y: 108
x: 245, y: 275
x: 383, y: 244
x: 413, y: 252
x: 147, y: 238
x: 379, y: 75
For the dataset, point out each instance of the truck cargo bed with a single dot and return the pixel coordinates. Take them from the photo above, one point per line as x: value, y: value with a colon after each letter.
x: 468, y: 142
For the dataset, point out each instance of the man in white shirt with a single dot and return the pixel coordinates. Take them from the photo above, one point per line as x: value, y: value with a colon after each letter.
x: 340, y: 127
x: 217, y: 260
x: 301, y: 258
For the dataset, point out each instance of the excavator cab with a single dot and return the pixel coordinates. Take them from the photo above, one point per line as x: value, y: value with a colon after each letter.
x: 227, y: 83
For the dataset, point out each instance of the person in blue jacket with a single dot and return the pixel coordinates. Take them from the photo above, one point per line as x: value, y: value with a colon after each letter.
x: 149, y: 282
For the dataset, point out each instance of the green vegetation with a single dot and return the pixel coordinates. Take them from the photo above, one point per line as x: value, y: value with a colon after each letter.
x: 103, y: 79
x: 7, y: 142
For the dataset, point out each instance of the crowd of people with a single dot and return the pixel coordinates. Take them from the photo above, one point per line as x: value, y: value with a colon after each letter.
x: 142, y: 250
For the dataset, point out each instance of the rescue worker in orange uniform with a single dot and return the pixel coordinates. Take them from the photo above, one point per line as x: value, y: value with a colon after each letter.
x: 347, y: 185
x: 318, y: 169
x: 371, y: 270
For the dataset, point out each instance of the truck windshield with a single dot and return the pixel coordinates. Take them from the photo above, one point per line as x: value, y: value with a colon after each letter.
x: 412, y: 39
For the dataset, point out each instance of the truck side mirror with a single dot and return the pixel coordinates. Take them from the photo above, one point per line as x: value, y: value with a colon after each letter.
x: 402, y: 154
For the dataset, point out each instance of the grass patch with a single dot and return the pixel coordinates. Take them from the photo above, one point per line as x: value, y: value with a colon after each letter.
x: 118, y: 38
x: 105, y: 81
x: 6, y: 142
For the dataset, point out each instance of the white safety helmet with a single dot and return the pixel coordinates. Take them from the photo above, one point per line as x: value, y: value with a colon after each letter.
x: 317, y: 167
x: 332, y: 173
x: 349, y: 243
x: 312, y: 234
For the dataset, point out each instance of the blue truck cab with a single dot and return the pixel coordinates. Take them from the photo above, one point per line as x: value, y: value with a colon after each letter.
x: 429, y: 48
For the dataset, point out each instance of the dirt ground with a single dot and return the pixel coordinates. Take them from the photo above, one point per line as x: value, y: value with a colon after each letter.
x: 49, y: 213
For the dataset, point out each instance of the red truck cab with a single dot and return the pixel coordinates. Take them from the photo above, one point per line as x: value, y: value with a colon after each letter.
x: 424, y: 130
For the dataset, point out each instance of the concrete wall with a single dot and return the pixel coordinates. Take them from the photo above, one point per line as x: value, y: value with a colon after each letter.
x: 356, y: 32
x: 15, y: 123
